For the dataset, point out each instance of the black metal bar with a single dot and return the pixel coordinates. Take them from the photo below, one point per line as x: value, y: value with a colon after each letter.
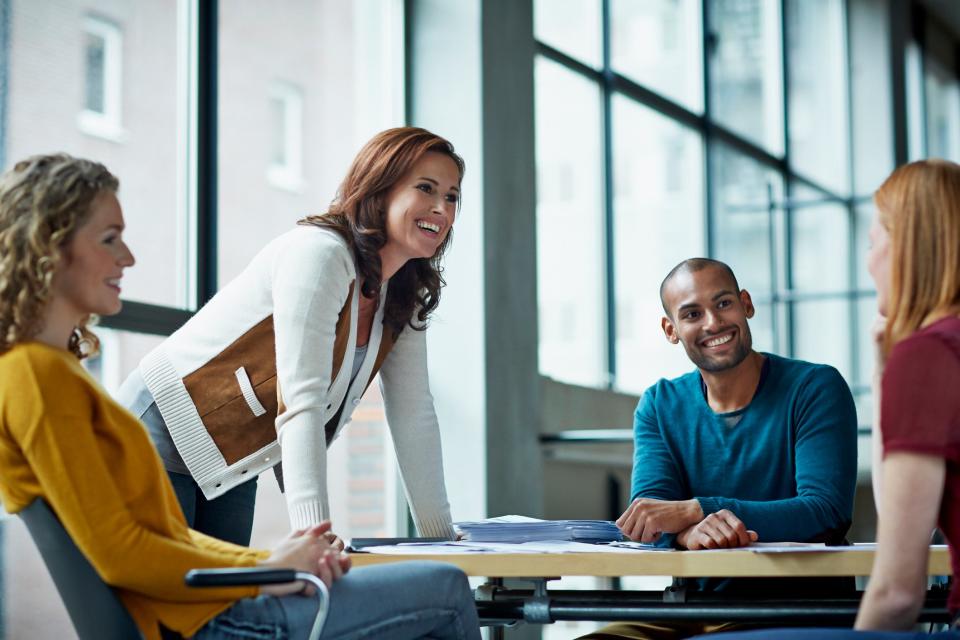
x: 897, y: 25
x: 614, y: 435
x: 141, y: 317
x: 408, y: 61
x: 508, y: 604
x: 772, y: 249
x: 709, y: 210
x: 608, y: 199
x: 814, y: 296
x: 207, y: 170
x: 497, y: 633
x: 789, y: 184
x: 852, y: 258
x: 918, y: 22
x: 4, y: 83
x: 555, y: 55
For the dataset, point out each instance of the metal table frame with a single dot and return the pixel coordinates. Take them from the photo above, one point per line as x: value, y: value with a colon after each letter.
x: 501, y: 606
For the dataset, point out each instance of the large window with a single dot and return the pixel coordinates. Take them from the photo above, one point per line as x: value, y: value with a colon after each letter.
x: 723, y: 128
x: 225, y: 122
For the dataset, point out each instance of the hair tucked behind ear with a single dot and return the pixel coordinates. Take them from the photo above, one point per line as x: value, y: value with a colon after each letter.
x: 358, y: 214
x: 43, y: 200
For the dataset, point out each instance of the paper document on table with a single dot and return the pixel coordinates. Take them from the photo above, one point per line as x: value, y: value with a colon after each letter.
x: 806, y: 547
x: 542, y: 546
x: 524, y: 529
x: 425, y: 548
x: 638, y: 546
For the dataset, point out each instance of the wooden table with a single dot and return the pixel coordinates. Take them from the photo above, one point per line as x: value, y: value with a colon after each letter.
x: 679, y: 564
x: 499, y: 604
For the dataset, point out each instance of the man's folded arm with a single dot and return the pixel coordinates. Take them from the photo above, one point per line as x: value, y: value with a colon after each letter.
x: 826, y: 470
x: 655, y: 472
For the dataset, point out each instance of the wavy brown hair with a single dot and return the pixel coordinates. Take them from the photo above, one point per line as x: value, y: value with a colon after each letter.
x: 358, y: 214
x: 919, y: 206
x: 43, y: 200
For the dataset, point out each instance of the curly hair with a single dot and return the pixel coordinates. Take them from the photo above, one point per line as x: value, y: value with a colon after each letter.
x: 43, y: 200
x: 358, y: 214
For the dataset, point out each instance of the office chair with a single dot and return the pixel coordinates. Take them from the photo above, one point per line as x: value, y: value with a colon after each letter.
x: 94, y: 608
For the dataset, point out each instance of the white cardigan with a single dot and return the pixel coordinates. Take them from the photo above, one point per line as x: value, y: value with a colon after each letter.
x: 303, y: 279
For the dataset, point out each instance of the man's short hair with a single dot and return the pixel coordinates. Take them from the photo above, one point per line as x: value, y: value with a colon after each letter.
x: 692, y: 265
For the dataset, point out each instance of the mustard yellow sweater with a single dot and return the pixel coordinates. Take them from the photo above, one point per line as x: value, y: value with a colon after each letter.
x: 64, y: 440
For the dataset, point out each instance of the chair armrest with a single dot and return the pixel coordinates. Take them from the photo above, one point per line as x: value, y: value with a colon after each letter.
x: 243, y: 576
x: 247, y: 576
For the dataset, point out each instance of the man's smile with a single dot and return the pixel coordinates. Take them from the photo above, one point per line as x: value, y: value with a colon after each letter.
x: 718, y: 340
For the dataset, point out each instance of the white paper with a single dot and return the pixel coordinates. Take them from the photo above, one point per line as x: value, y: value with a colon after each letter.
x: 543, y: 546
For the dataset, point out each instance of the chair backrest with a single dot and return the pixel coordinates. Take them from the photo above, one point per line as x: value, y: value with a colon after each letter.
x: 94, y: 608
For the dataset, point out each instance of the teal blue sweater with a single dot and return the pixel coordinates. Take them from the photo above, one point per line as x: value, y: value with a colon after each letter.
x: 787, y: 469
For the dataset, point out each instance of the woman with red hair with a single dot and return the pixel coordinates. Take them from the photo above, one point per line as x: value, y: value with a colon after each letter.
x: 273, y: 366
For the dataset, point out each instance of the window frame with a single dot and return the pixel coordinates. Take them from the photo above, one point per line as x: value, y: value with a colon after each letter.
x: 142, y: 317
x: 782, y: 294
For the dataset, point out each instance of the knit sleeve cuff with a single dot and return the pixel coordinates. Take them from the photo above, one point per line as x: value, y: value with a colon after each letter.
x: 709, y: 505
x: 437, y: 526
x: 306, y: 514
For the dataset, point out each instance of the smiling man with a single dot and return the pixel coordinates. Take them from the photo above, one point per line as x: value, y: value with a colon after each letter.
x: 750, y: 446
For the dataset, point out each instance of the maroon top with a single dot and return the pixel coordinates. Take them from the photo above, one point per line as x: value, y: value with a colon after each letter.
x: 920, y: 409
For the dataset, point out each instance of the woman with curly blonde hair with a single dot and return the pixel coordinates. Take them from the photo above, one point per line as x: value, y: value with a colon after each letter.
x: 42, y: 202
x: 63, y: 440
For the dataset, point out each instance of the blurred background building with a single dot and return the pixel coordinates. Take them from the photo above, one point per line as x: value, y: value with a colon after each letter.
x: 605, y: 140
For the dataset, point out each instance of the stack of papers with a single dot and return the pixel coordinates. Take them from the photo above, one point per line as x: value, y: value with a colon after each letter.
x: 523, y: 529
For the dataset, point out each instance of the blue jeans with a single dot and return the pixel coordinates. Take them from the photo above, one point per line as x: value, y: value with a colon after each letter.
x: 832, y: 634
x: 228, y: 517
x: 399, y: 601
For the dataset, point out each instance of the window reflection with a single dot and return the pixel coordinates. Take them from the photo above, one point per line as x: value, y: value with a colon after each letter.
x: 820, y: 232
x: 658, y: 221
x: 570, y: 241
x: 76, y: 84
x: 822, y: 333
x: 746, y: 81
x: 747, y: 200
x: 817, y: 90
x: 658, y: 43
x: 942, y: 110
x: 571, y: 26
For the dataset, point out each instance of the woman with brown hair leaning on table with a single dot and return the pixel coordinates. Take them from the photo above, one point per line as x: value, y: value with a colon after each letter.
x: 915, y: 261
x: 63, y: 440
x: 277, y: 361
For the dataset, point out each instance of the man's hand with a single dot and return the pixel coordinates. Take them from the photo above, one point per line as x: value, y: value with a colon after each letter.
x: 720, y: 530
x: 645, y: 519
x: 306, y: 550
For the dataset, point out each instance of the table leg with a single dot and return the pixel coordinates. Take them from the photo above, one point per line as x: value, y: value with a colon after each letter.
x: 498, y: 632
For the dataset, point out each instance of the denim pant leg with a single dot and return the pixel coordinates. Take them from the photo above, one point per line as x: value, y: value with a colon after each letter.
x: 186, y: 490
x: 403, y: 601
x: 287, y: 618
x: 228, y: 517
